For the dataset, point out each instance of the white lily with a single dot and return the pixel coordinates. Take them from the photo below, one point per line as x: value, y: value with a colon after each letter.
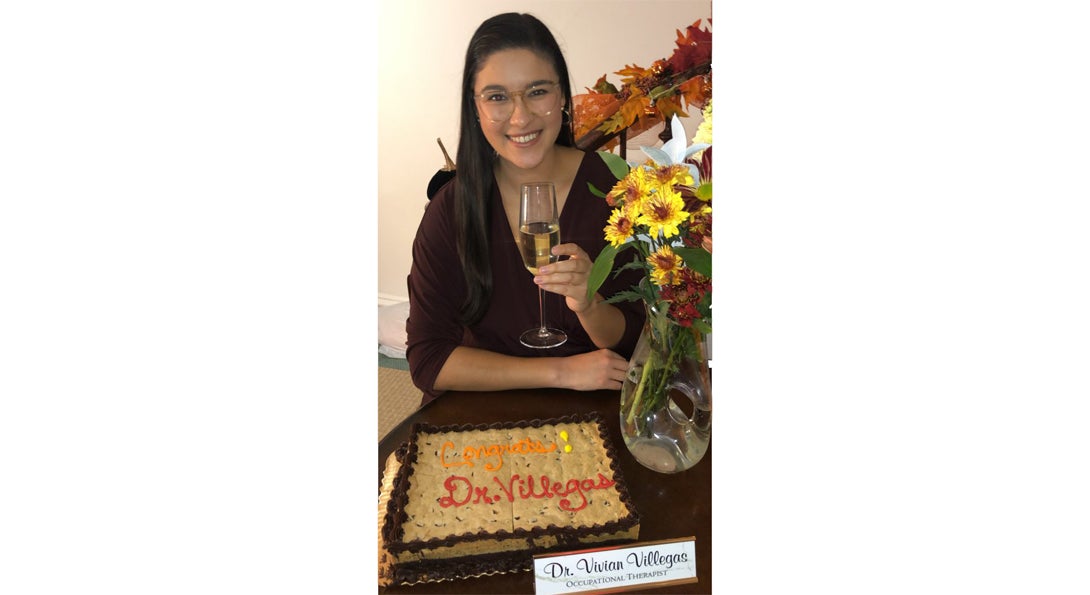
x: 675, y: 151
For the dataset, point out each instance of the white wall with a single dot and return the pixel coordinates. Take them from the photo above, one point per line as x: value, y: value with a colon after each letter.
x: 422, y: 46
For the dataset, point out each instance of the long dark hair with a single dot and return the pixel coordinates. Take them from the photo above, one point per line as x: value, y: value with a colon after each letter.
x: 476, y: 156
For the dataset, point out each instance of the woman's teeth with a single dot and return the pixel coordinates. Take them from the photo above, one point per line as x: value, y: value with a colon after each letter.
x: 525, y: 139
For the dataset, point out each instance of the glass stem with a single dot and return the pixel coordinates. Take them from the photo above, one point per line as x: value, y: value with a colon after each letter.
x: 541, y: 308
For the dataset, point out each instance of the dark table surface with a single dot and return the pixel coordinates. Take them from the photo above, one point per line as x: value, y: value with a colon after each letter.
x: 670, y: 506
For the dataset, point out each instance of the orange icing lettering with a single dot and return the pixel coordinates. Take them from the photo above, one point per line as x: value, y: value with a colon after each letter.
x: 472, y: 453
x: 443, y: 456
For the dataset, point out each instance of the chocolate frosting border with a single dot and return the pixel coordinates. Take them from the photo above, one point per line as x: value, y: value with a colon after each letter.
x: 449, y: 569
x: 392, y: 532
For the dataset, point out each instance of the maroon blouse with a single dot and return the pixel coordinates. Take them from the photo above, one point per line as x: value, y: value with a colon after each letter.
x: 437, y: 285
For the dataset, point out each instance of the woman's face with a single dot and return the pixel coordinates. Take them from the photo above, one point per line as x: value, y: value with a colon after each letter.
x: 526, y: 138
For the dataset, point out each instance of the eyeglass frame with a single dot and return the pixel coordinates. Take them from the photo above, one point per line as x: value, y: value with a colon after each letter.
x: 521, y: 94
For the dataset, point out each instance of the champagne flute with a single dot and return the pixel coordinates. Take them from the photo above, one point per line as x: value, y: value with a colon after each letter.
x: 539, y: 231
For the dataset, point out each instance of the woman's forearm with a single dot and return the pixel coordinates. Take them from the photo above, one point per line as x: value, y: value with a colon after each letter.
x: 470, y: 368
x: 604, y: 323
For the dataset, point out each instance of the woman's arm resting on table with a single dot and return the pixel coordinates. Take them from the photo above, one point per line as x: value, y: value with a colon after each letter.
x: 469, y: 368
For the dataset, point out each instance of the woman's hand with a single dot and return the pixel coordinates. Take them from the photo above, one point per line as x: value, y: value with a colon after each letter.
x: 594, y: 370
x: 568, y: 277
x: 603, y: 322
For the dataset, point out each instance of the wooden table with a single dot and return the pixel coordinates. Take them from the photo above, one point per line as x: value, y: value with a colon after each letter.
x: 670, y: 506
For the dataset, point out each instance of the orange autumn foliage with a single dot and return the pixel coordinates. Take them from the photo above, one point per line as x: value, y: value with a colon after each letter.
x: 648, y: 96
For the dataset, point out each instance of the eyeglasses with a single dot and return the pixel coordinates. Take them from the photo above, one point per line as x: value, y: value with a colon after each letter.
x: 540, y: 99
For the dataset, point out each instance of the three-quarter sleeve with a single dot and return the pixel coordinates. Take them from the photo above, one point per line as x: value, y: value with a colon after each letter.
x: 436, y: 287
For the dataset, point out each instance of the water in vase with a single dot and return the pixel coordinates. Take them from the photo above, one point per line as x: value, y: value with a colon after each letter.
x: 666, y: 439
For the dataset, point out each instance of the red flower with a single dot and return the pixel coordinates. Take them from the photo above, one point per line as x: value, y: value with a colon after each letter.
x: 686, y: 296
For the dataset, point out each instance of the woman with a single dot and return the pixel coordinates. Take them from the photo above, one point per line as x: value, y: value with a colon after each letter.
x: 470, y: 295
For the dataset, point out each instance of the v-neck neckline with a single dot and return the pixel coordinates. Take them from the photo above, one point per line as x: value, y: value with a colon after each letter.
x: 513, y: 231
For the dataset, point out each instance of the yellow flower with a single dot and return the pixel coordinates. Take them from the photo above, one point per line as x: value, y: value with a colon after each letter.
x: 629, y: 190
x: 664, y: 266
x: 669, y: 176
x: 663, y: 212
x: 620, y: 226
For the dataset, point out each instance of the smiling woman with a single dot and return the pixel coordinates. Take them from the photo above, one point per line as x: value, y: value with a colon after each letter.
x: 470, y: 297
x: 419, y: 84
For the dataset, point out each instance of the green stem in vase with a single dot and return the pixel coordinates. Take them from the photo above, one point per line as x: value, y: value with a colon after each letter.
x: 651, y: 390
x: 666, y: 368
x: 677, y: 343
x: 639, y: 391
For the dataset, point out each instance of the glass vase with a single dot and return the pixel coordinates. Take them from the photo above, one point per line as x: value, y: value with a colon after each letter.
x: 666, y: 398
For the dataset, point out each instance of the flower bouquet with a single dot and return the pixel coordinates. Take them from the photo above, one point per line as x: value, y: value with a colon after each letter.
x: 662, y: 210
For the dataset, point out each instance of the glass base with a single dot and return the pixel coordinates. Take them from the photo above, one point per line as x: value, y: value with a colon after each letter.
x: 543, y: 338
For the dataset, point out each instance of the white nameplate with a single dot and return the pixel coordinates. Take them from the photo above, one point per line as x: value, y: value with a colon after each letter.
x: 620, y: 568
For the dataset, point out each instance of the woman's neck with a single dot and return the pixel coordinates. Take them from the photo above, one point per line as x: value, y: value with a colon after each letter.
x: 560, y: 168
x: 551, y: 169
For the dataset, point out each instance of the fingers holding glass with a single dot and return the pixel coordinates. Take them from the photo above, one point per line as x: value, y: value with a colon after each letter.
x: 567, y: 277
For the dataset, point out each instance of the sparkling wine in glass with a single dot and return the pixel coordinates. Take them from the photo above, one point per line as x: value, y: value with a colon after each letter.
x: 539, y: 231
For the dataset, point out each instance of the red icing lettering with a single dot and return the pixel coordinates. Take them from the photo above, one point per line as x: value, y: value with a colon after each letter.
x: 529, y: 488
x: 506, y: 488
x: 449, y: 485
x: 482, y: 494
x: 455, y: 484
x: 573, y: 486
x: 526, y: 491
